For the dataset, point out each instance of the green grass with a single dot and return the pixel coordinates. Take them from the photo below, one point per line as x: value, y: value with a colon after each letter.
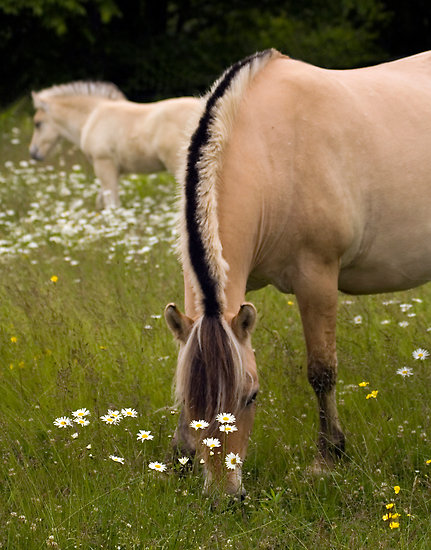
x: 96, y: 338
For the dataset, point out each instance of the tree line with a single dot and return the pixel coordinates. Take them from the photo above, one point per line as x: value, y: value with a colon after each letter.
x: 154, y: 49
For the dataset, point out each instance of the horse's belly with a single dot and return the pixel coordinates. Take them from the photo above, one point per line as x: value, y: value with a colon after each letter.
x: 384, y: 276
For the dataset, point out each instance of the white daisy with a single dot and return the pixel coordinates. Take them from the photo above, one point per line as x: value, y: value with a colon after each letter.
x: 81, y: 421
x: 117, y: 459
x: 233, y: 460
x: 211, y: 442
x: 357, y: 320
x: 79, y: 413
x: 114, y: 414
x: 226, y: 418
x: 110, y: 419
x: 227, y: 428
x: 158, y: 466
x: 420, y: 353
x: 183, y: 460
x: 403, y: 324
x: 129, y: 412
x: 199, y: 424
x: 405, y: 371
x: 62, y: 422
x: 144, y: 435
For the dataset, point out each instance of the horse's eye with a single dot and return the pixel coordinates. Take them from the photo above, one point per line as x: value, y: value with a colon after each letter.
x: 37, y: 124
x: 251, y: 399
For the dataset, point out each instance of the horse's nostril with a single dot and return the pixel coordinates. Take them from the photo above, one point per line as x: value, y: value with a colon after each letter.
x: 34, y: 153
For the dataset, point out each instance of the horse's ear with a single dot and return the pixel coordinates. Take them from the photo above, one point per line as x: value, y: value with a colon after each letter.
x: 38, y: 103
x: 179, y: 324
x: 244, y: 322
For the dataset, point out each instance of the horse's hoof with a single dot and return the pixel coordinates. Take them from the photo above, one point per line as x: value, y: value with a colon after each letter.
x: 321, y: 466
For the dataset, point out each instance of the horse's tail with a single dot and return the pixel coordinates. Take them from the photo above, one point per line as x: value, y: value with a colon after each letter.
x: 210, y: 373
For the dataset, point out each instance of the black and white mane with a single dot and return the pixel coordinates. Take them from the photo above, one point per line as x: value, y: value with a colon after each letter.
x: 210, y: 373
x: 200, y: 245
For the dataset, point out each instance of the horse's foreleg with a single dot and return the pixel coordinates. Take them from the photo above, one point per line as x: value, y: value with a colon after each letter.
x: 182, y: 441
x: 107, y: 172
x: 316, y: 291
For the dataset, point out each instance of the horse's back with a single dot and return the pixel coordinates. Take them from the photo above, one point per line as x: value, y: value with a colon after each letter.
x: 336, y: 164
x: 132, y: 133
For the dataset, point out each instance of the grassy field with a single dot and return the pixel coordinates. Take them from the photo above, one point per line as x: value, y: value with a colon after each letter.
x: 81, y: 301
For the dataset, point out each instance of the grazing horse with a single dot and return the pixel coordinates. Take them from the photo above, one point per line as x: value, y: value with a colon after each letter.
x: 309, y: 179
x: 117, y: 136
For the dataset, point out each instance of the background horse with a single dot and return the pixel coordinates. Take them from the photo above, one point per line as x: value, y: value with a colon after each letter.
x: 116, y: 135
x: 312, y: 180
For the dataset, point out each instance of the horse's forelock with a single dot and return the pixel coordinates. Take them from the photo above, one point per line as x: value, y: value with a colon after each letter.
x: 210, y: 372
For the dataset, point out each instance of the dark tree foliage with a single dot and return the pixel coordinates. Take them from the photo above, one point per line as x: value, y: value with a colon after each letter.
x: 159, y: 48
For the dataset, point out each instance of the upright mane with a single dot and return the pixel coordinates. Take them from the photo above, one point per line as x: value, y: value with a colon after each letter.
x: 106, y: 90
x: 210, y: 373
x: 200, y: 246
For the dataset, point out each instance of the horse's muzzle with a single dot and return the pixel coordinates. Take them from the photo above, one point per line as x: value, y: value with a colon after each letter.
x: 34, y: 153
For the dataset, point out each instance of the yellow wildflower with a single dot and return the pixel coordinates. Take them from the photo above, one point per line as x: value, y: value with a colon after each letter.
x: 373, y: 394
x: 54, y: 278
x: 397, y: 489
x: 394, y: 525
x: 390, y: 505
x: 363, y: 384
x: 13, y: 339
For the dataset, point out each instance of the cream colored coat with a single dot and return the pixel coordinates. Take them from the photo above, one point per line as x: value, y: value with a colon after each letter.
x: 321, y: 181
x: 118, y: 137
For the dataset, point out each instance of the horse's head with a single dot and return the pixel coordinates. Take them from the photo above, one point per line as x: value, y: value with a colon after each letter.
x: 216, y: 373
x: 45, y: 133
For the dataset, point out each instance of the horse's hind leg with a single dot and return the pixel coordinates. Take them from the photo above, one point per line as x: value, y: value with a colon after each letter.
x: 106, y: 170
x: 317, y: 295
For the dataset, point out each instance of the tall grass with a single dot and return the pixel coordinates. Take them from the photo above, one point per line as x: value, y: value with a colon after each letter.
x: 96, y: 338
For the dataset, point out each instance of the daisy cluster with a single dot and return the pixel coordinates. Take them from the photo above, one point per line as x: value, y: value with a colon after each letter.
x: 227, y: 425
x: 114, y: 417
x: 407, y: 309
x: 62, y: 213
x: 419, y: 354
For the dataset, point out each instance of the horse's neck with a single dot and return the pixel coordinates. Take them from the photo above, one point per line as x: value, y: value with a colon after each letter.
x: 71, y: 113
